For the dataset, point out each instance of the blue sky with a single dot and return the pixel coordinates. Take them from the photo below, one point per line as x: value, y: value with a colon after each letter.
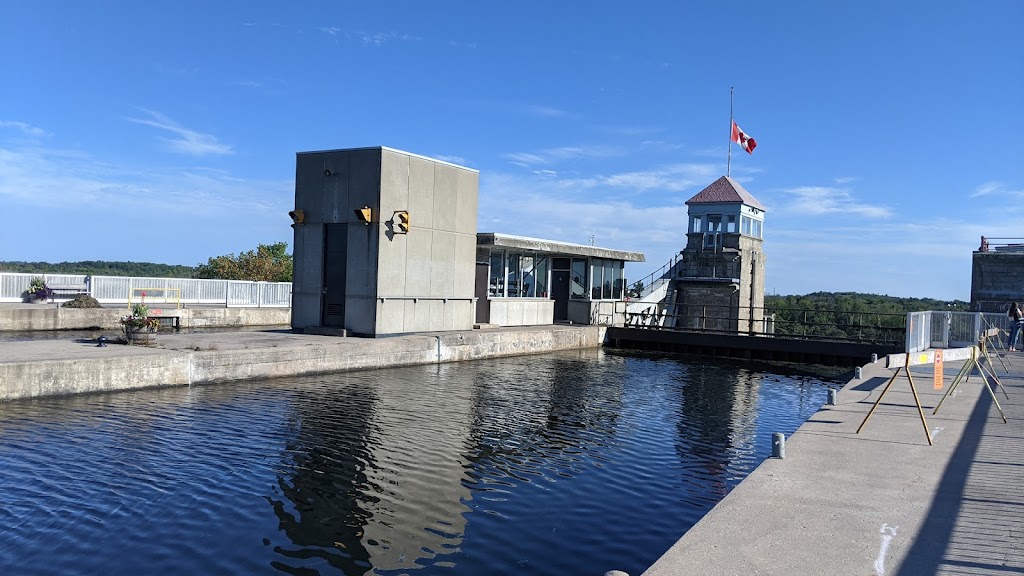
x: 888, y: 132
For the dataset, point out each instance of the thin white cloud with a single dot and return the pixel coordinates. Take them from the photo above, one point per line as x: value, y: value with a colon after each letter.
x: 818, y: 200
x: 554, y: 155
x: 68, y: 179
x: 997, y: 189
x: 332, y: 30
x: 188, y: 141
x: 452, y: 159
x: 844, y: 180
x: 546, y: 112
x: 377, y: 38
x: 456, y: 44
x: 670, y: 178
x: 23, y: 127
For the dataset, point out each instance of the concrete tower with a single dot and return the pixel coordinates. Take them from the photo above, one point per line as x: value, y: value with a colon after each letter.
x: 719, y: 285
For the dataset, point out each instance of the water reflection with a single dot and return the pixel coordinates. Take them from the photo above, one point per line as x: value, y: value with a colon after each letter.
x: 572, y: 463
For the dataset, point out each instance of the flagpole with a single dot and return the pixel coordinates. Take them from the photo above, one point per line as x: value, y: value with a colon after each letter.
x: 728, y: 163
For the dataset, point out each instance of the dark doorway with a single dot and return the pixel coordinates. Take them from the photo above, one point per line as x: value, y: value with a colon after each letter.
x: 483, y: 305
x: 560, y: 294
x: 335, y: 260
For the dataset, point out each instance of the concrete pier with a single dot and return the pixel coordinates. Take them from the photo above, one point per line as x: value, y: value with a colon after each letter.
x: 882, y: 501
x: 55, y: 367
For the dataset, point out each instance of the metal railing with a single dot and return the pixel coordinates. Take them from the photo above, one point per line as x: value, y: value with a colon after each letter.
x: 811, y: 324
x: 117, y: 289
x: 938, y: 329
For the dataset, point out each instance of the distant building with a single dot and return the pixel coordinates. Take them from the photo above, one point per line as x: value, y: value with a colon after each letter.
x: 997, y: 274
x: 719, y: 285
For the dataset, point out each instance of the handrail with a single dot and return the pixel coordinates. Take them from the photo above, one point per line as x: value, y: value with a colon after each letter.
x: 662, y: 272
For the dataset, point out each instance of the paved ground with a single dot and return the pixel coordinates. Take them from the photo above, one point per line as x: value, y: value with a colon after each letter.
x: 882, y: 501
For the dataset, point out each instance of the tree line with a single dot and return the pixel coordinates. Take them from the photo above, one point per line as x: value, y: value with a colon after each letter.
x: 850, y: 315
x: 267, y: 263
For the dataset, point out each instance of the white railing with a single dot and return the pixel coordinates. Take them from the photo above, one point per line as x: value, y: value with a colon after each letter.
x: 116, y: 289
x: 951, y: 329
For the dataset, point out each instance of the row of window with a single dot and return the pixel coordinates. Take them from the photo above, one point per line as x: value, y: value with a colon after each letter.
x: 717, y: 224
x: 533, y: 276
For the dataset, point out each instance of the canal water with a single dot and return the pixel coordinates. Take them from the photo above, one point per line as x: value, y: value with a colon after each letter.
x: 568, y: 463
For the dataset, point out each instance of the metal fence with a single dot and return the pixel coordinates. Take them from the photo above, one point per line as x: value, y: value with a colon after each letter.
x: 952, y: 329
x: 117, y: 289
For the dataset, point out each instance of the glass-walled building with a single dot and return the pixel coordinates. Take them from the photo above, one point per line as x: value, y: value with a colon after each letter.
x: 527, y: 281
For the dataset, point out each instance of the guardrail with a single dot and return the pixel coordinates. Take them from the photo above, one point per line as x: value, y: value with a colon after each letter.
x: 117, y: 289
x: 810, y: 324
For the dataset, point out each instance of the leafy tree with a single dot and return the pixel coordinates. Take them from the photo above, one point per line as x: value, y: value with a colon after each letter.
x: 268, y: 263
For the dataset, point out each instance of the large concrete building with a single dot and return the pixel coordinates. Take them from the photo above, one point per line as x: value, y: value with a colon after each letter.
x: 720, y: 283
x: 997, y: 274
x: 385, y: 242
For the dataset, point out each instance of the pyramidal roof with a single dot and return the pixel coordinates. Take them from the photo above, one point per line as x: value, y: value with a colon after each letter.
x: 723, y: 191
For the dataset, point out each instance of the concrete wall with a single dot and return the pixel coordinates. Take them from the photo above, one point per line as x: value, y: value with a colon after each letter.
x: 430, y: 267
x: 44, y: 317
x: 72, y: 367
x: 522, y: 311
x: 997, y: 278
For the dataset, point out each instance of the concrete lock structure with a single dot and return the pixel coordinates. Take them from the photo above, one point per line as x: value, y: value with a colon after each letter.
x: 385, y: 243
x: 997, y: 274
x: 720, y: 286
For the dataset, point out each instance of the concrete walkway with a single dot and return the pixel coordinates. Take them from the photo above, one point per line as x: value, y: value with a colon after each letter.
x: 882, y: 501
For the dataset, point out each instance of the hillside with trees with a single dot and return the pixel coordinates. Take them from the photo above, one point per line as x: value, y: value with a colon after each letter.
x: 850, y: 315
x: 268, y: 262
x: 101, y: 268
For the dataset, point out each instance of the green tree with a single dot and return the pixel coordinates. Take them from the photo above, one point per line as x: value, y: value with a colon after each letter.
x: 268, y: 263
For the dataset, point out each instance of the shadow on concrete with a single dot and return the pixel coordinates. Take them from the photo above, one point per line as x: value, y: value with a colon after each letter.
x: 976, y: 518
x: 871, y: 383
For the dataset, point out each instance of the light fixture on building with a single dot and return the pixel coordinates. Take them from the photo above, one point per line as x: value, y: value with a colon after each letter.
x: 364, y: 214
x: 297, y: 216
x: 400, y: 221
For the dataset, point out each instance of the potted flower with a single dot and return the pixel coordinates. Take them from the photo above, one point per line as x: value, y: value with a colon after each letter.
x: 138, y: 327
x: 38, y: 291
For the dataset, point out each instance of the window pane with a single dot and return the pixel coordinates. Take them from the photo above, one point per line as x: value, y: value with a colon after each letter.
x: 695, y: 224
x: 540, y: 274
x: 496, y: 286
x: 578, y: 279
x: 730, y: 226
x: 610, y: 279
x: 620, y: 282
x: 757, y: 229
x: 745, y: 226
x: 597, y: 268
x: 529, y: 283
x: 513, y: 281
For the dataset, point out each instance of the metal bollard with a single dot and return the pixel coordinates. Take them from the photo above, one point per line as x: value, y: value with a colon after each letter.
x: 857, y: 373
x: 831, y: 397
x: 778, y: 445
x: 874, y: 358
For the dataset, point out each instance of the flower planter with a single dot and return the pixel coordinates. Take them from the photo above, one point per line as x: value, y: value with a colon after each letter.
x: 142, y: 337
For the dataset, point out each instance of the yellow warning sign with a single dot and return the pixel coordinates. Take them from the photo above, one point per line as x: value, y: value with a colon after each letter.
x: 938, y: 370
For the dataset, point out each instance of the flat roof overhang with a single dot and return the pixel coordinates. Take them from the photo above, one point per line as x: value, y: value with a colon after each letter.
x: 495, y: 240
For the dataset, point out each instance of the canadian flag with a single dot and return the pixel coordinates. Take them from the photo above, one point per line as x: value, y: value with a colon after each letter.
x: 745, y: 142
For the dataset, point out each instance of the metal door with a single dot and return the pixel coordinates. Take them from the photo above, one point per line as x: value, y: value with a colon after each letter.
x: 335, y: 260
x: 483, y: 305
x: 560, y: 294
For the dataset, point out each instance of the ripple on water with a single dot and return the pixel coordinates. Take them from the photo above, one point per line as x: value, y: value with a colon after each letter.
x: 544, y: 464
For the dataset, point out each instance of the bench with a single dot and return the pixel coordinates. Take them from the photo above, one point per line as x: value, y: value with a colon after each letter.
x: 68, y: 290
